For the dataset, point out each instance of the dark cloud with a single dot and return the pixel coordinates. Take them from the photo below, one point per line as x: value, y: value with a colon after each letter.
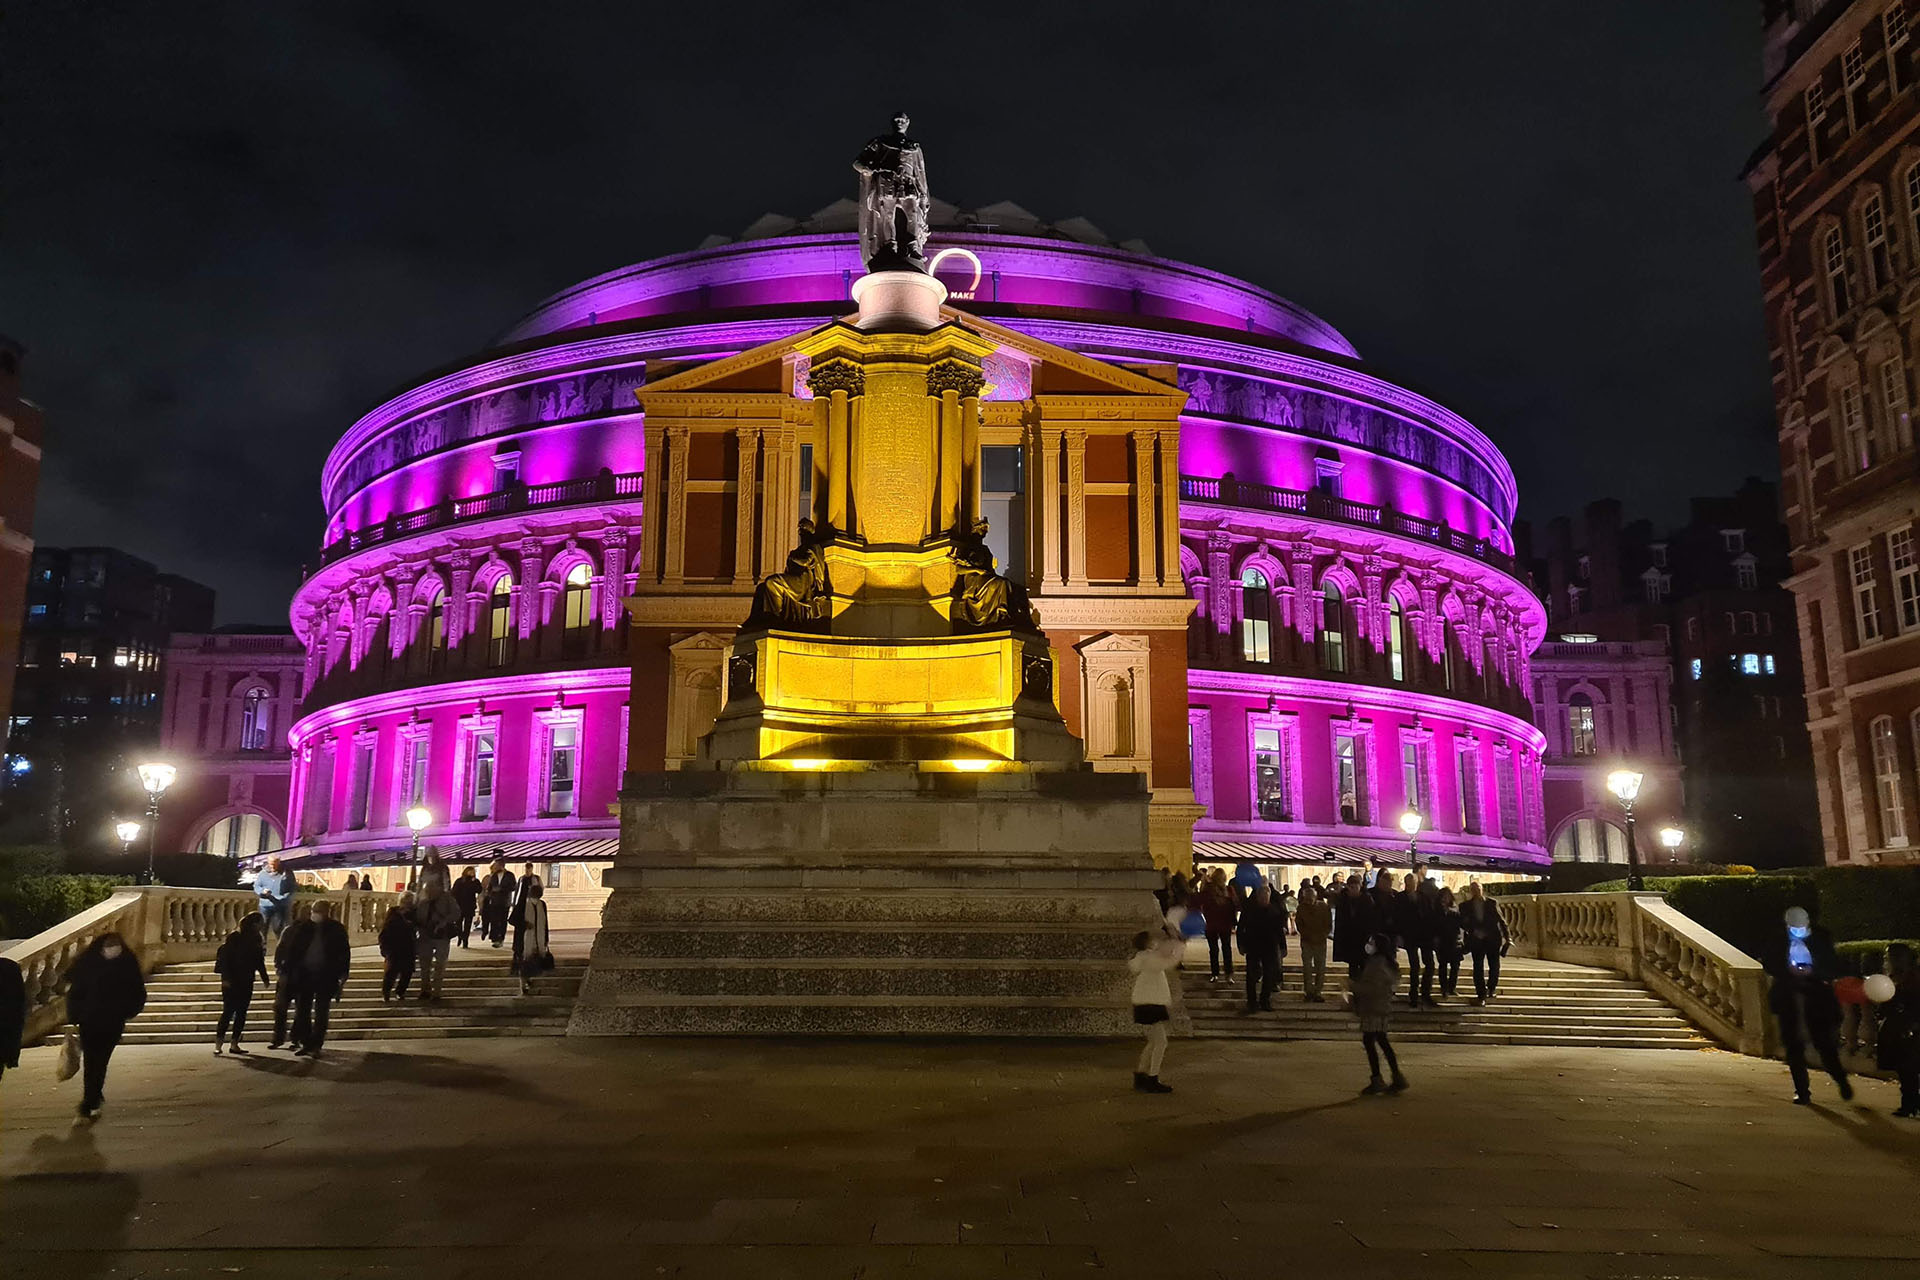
x: 230, y: 228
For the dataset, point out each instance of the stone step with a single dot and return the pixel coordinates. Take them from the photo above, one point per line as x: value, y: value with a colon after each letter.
x: 372, y: 1009
x: 401, y: 1031
x: 860, y: 978
x: 1546, y: 1039
x: 1257, y: 1021
x: 854, y: 941
x: 880, y: 1016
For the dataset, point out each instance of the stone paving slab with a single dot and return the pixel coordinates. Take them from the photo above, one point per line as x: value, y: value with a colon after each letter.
x: 867, y: 1160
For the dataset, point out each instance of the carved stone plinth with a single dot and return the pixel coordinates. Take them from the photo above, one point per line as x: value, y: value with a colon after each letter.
x: 889, y: 900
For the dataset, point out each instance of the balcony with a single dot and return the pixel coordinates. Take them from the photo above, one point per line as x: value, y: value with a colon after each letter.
x: 605, y: 487
x: 1316, y: 505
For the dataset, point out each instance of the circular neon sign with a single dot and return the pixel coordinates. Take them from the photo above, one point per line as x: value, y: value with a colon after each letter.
x: 933, y: 268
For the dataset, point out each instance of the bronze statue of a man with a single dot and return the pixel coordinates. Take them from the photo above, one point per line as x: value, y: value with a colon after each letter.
x: 893, y: 201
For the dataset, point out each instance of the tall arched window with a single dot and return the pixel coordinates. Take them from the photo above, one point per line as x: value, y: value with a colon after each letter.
x: 1396, y: 639
x: 1333, y: 627
x: 1256, y: 625
x: 500, y: 622
x: 1448, y: 671
x: 579, y: 597
x: 1886, y: 783
x: 1833, y: 256
x: 430, y: 640
x: 1580, y: 735
x: 256, y: 720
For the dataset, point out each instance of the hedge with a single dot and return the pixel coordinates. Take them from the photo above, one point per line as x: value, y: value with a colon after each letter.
x: 1868, y: 957
x: 35, y: 903
x: 1869, y: 902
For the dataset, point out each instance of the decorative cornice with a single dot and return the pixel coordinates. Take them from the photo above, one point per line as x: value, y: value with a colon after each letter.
x: 954, y: 375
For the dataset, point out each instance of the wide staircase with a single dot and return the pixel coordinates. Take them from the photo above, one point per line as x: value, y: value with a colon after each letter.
x: 481, y: 998
x: 1539, y: 1003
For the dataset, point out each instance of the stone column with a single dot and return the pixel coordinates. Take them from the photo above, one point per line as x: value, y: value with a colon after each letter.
x: 1146, y: 543
x: 745, y: 503
x: 528, y: 587
x: 1169, y: 504
x: 957, y: 385
x: 1220, y: 578
x: 841, y: 382
x: 653, y: 513
x: 1047, y: 506
x: 455, y: 605
x: 613, y: 575
x: 674, y: 572
x: 1075, y: 439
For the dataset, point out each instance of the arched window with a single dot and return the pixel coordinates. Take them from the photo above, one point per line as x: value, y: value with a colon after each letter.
x: 1256, y: 626
x: 1580, y: 735
x: 430, y: 640
x: 579, y: 597
x: 240, y: 835
x: 1449, y: 671
x: 500, y: 622
x: 1886, y: 783
x: 1590, y: 840
x: 256, y: 720
x: 1333, y: 627
x: 1833, y: 256
x: 1396, y: 639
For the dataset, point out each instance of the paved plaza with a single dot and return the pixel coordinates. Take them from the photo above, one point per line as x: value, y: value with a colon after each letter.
x: 554, y: 1158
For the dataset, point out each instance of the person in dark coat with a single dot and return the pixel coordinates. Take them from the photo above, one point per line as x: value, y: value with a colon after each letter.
x: 1420, y: 911
x: 398, y: 947
x: 496, y: 901
x: 105, y: 991
x: 314, y: 955
x: 1898, y: 1047
x: 1446, y: 944
x: 242, y: 955
x: 13, y: 1013
x: 1263, y: 934
x: 1353, y: 923
x: 1486, y: 937
x: 466, y: 892
x: 1217, y: 906
x: 1803, y: 965
x: 517, y: 914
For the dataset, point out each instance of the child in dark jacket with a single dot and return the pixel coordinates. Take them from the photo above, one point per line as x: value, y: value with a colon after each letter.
x: 398, y: 943
x: 1373, y: 1001
x: 242, y: 955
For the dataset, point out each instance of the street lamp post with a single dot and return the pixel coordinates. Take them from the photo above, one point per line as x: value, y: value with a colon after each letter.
x: 419, y: 818
x: 1625, y: 784
x: 128, y: 830
x: 1410, y: 823
x: 1671, y: 839
x: 156, y: 777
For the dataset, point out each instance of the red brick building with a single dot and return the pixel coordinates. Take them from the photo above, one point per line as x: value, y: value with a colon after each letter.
x: 19, y: 488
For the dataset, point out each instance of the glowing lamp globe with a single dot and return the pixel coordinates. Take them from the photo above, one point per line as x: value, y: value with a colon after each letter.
x: 127, y: 831
x: 156, y: 777
x: 1624, y: 783
x: 419, y: 818
x: 1411, y: 822
x: 1671, y: 837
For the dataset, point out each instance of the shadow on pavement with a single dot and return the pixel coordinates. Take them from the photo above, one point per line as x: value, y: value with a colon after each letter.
x: 70, y: 1203
x: 434, y: 1071
x: 1875, y: 1130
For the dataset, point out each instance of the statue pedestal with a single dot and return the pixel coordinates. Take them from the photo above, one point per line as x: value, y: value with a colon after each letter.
x: 885, y: 900
x: 898, y: 301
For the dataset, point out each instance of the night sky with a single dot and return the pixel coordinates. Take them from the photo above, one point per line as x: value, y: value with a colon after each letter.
x: 227, y: 230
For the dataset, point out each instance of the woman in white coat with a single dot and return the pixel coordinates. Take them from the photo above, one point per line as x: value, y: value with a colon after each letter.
x: 536, y: 951
x: 1155, y: 954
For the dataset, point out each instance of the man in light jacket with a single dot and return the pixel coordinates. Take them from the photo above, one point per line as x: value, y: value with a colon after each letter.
x: 274, y: 888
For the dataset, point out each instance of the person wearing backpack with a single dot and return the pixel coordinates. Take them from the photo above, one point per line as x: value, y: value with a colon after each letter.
x: 239, y: 958
x: 399, y: 947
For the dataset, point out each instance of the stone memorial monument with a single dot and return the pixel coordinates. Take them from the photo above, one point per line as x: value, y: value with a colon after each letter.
x: 890, y: 828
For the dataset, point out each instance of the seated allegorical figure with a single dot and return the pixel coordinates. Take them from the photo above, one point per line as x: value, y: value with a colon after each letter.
x: 792, y: 598
x: 984, y: 600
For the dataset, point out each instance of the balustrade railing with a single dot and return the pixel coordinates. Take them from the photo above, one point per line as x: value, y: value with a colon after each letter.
x: 1312, y: 502
x: 1720, y: 988
x: 165, y: 925
x: 520, y: 497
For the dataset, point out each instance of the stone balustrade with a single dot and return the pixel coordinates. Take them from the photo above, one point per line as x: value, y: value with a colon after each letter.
x: 164, y: 925
x: 1720, y: 988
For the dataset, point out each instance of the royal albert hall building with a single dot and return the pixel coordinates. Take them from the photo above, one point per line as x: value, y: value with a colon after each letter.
x: 1334, y: 633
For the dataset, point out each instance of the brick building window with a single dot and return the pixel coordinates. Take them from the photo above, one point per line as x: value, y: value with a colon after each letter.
x: 1873, y: 236
x: 1746, y: 574
x: 1854, y: 435
x: 1833, y: 255
x: 1886, y: 783
x: 1866, y: 612
x: 1912, y: 185
x: 1893, y: 398
x: 1580, y: 735
x: 1853, y: 73
x: 1906, y: 578
x: 1816, y: 103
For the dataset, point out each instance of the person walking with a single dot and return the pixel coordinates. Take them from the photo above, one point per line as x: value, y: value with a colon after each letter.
x: 318, y: 958
x: 1219, y: 910
x: 1263, y: 936
x: 366, y: 881
x: 496, y: 899
x: 13, y: 1013
x: 516, y: 915
x: 105, y: 991
x: 1314, y: 920
x: 242, y: 955
x: 274, y: 888
x: 399, y: 948
x: 433, y: 871
x: 1154, y: 955
x: 1446, y: 944
x: 1803, y: 965
x: 436, y: 918
x: 466, y: 892
x: 1486, y: 935
x: 1353, y: 921
x: 1412, y: 927
x: 1423, y: 909
x: 1373, y: 1002
x: 1898, y: 1047
x: 536, y: 956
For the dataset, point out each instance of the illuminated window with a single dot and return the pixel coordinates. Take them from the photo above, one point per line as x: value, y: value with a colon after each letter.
x: 500, y: 622
x: 1866, y: 612
x: 1412, y: 784
x: 1886, y: 781
x: 1696, y: 668
x: 360, y: 804
x: 1256, y: 627
x: 562, y: 752
x: 1396, y: 639
x: 1466, y: 763
x: 579, y: 597
x: 1834, y: 253
x: 1333, y: 628
x: 414, y: 770
x: 256, y: 720
x: 1749, y: 664
x: 1766, y: 663
x: 1347, y: 780
x: 1580, y: 735
x: 481, y: 776
x: 1270, y: 776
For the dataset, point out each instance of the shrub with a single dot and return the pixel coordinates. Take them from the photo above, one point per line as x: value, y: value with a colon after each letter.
x: 1866, y: 957
x: 1869, y: 902
x: 32, y: 904
x: 1745, y: 910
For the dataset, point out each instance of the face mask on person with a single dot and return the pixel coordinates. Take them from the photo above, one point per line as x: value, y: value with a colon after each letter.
x: 315, y: 916
x: 112, y: 950
x: 1371, y: 949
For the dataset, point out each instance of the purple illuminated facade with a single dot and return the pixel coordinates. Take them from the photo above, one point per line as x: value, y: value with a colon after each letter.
x: 1359, y: 641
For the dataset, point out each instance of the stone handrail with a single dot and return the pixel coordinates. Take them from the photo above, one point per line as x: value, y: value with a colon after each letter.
x: 1719, y: 988
x: 164, y: 925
